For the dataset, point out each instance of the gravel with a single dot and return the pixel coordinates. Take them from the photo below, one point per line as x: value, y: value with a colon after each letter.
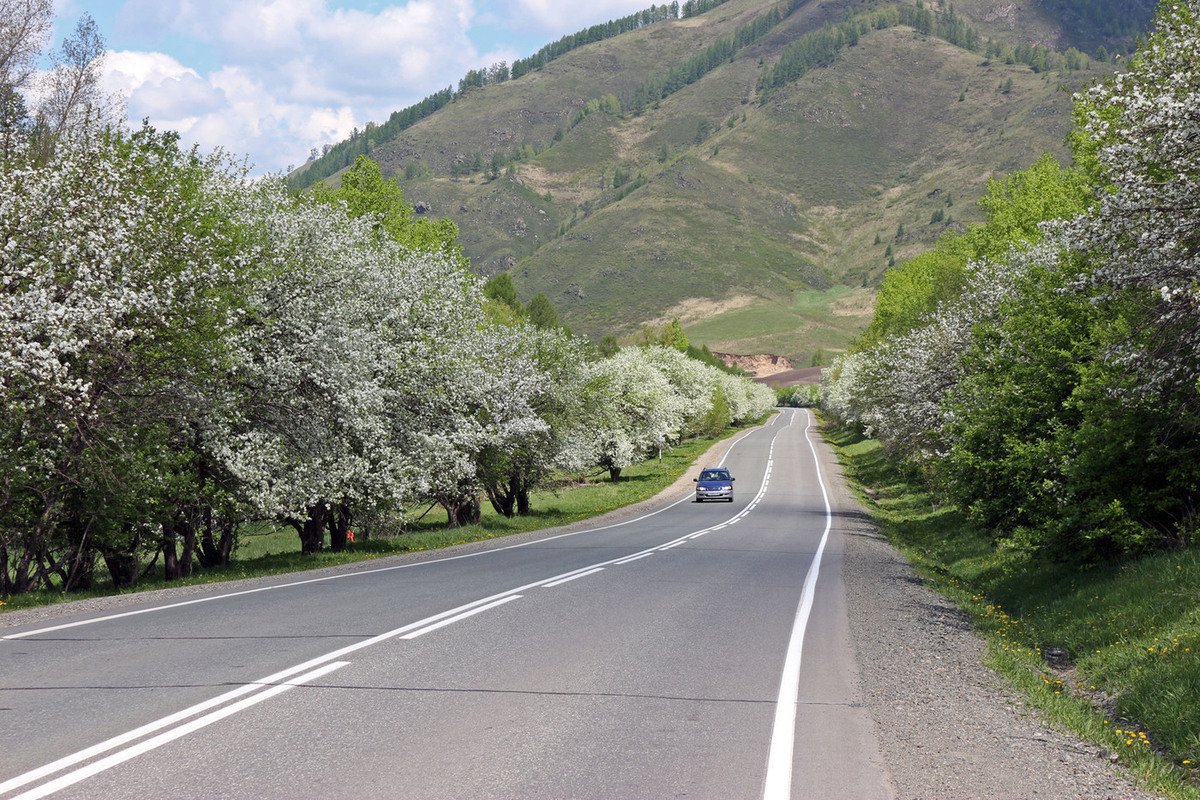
x: 947, y: 726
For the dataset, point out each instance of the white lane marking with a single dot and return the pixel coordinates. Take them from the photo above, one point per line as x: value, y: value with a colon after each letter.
x: 778, y: 783
x: 496, y: 599
x: 72, y: 778
x: 359, y: 573
x: 179, y: 716
x: 574, y: 577
x: 459, y: 617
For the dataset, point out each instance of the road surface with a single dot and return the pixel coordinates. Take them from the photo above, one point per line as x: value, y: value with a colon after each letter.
x: 691, y: 650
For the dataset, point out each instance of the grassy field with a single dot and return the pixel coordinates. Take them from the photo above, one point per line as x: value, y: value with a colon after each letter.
x: 816, y: 188
x: 805, y: 191
x: 812, y: 324
x: 1111, y: 653
x: 267, y: 550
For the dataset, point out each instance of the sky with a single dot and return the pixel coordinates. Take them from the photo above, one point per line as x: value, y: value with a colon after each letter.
x: 271, y: 79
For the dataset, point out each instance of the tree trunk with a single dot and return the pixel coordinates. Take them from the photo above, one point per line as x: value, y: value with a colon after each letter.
x: 122, y: 567
x: 471, y: 511
x: 79, y: 561
x: 339, y: 527
x: 502, y: 499
x: 81, y: 569
x: 26, y: 575
x: 312, y: 532
x: 462, y: 511
x: 215, y: 551
x: 188, y: 557
x: 170, y: 551
x: 170, y: 555
x: 178, y: 546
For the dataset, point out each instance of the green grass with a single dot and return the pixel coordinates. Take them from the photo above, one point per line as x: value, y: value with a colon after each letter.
x: 812, y: 321
x: 1123, y: 640
x: 791, y: 197
x: 266, y: 550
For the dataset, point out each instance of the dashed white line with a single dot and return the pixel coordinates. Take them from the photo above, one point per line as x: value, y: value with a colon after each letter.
x: 778, y: 782
x: 281, y: 682
x: 120, y: 757
x: 459, y: 617
x: 574, y: 577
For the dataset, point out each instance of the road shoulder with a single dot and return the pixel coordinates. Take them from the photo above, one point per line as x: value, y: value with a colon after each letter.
x: 947, y: 726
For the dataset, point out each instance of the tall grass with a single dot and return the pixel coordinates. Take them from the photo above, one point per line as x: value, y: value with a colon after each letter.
x: 1112, y: 652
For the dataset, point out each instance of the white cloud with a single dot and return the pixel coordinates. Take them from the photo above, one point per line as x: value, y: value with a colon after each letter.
x: 295, y: 74
x: 566, y: 17
x: 156, y: 84
x: 274, y: 78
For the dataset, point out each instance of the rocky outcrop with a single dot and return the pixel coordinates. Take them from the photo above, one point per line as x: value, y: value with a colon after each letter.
x: 758, y: 365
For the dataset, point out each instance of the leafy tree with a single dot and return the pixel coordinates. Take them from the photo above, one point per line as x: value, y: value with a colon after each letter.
x: 541, y: 313
x: 366, y: 193
x: 116, y: 320
x: 608, y: 346
x: 1017, y: 206
x: 1054, y: 396
x: 23, y: 34
x: 73, y: 83
x: 500, y: 287
x: 531, y: 411
x: 1136, y: 139
x: 673, y: 336
x: 644, y: 398
x: 911, y: 293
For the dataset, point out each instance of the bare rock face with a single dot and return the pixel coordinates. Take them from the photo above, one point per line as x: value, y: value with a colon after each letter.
x: 758, y: 365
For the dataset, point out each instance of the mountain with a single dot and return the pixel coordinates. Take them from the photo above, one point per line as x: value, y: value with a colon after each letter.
x: 752, y: 169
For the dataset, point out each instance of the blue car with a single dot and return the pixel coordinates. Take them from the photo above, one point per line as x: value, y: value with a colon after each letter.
x: 714, y: 484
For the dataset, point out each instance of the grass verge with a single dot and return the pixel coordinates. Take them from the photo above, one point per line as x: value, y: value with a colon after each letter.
x: 1111, y: 652
x: 276, y: 551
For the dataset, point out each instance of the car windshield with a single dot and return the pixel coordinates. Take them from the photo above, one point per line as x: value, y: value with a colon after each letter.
x: 714, y: 475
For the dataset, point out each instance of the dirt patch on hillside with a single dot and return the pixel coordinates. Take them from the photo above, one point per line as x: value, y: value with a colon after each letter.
x: 759, y: 365
x: 695, y: 309
x: 808, y: 376
x: 859, y: 303
x: 628, y: 138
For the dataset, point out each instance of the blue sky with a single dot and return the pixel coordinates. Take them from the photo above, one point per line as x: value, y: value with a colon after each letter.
x: 270, y: 79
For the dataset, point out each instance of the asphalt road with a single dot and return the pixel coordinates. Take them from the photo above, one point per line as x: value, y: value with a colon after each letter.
x: 694, y: 650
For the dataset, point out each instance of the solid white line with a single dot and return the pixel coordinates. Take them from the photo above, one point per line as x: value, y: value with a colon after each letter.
x: 72, y: 778
x: 359, y: 573
x: 179, y: 716
x: 574, y: 577
x: 171, y: 719
x: 460, y: 617
x: 778, y: 783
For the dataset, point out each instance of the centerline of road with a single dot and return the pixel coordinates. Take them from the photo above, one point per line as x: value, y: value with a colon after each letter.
x: 778, y: 778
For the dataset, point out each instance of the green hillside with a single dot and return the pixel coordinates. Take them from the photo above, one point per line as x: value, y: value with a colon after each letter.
x: 762, y: 218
